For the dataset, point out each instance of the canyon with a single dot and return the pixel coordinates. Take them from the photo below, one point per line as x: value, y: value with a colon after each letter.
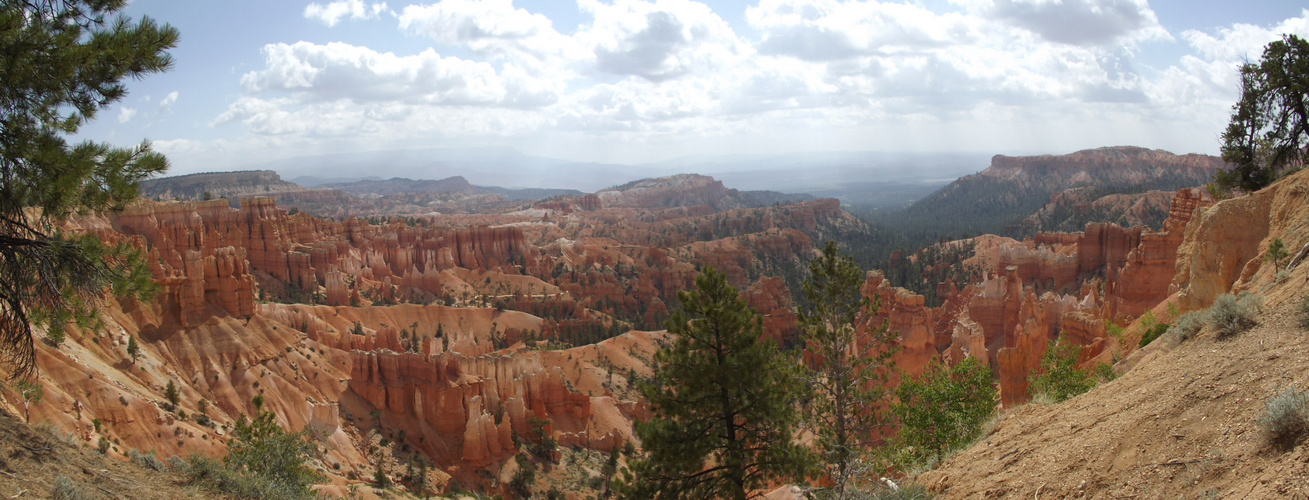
x: 458, y: 336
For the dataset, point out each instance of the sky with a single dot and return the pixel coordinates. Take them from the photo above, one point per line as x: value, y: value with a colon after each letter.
x: 637, y: 81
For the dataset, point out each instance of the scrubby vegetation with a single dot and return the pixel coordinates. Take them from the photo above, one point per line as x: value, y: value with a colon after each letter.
x: 263, y: 461
x: 1186, y: 326
x: 941, y: 411
x: 1153, y: 329
x: 1286, y: 418
x: 1058, y: 378
x: 1304, y: 313
x: 1233, y: 314
x: 66, y: 489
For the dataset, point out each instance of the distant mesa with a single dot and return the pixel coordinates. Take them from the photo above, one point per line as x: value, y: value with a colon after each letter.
x: 214, y: 185
x: 1012, y: 188
x: 686, y: 190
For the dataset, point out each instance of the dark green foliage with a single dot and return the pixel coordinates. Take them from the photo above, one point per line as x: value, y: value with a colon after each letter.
x: 1286, y: 418
x: 1058, y: 378
x: 1276, y: 253
x: 1269, y: 124
x: 133, y: 349
x: 942, y: 410
x: 171, y: 394
x: 521, y: 484
x: 381, y: 481
x: 1104, y: 372
x: 847, y: 385
x: 541, y: 443
x: 60, y: 63
x: 1153, y: 333
x: 263, y: 461
x: 55, y: 336
x: 723, y: 404
x: 416, y: 476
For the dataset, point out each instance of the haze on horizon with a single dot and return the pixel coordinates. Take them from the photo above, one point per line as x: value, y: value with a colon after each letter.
x: 632, y: 82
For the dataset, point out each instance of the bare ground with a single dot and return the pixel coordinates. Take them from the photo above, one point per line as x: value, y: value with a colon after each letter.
x: 31, y: 458
x: 1180, y: 425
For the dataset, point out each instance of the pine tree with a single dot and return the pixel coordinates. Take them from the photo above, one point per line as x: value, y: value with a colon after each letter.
x: 172, y: 395
x: 1269, y: 126
x: 723, y: 404
x: 133, y: 348
x: 1277, y: 253
x: 848, y: 369
x: 61, y: 61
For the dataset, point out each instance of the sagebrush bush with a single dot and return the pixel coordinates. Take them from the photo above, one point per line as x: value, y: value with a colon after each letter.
x: 1186, y: 326
x: 1304, y: 313
x: 66, y: 489
x: 1286, y: 418
x: 1233, y: 314
x: 147, y: 461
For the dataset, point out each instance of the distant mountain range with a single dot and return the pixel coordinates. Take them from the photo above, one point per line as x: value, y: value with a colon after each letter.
x: 888, y: 180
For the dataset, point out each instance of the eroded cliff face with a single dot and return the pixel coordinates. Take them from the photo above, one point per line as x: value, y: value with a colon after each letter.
x: 1072, y: 284
x: 459, y: 383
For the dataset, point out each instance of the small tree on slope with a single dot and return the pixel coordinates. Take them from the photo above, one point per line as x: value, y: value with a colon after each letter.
x: 849, y: 370
x: 723, y: 404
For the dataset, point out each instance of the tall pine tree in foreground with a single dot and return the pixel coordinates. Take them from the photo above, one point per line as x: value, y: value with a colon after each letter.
x: 723, y: 404
x: 849, y: 370
x: 61, y: 61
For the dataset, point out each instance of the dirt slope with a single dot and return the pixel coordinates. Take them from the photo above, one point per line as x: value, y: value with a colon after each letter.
x: 1182, y: 424
x: 32, y: 458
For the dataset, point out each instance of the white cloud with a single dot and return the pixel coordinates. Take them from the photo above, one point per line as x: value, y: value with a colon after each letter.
x: 334, y: 12
x: 335, y: 71
x: 1084, y: 22
x: 1203, y: 85
x: 659, y: 40
x: 825, y: 30
x: 167, y: 103
x: 125, y: 114
x: 663, y: 69
x: 491, y: 28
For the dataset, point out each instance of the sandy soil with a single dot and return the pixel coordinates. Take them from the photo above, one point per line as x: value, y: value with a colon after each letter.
x: 32, y: 458
x: 1180, y: 425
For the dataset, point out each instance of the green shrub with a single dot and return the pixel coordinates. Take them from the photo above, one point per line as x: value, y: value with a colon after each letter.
x: 263, y: 461
x: 1286, y: 418
x: 1104, y: 372
x: 1187, y: 326
x: 1153, y: 333
x: 1059, y: 378
x: 1232, y: 314
x: 942, y: 410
